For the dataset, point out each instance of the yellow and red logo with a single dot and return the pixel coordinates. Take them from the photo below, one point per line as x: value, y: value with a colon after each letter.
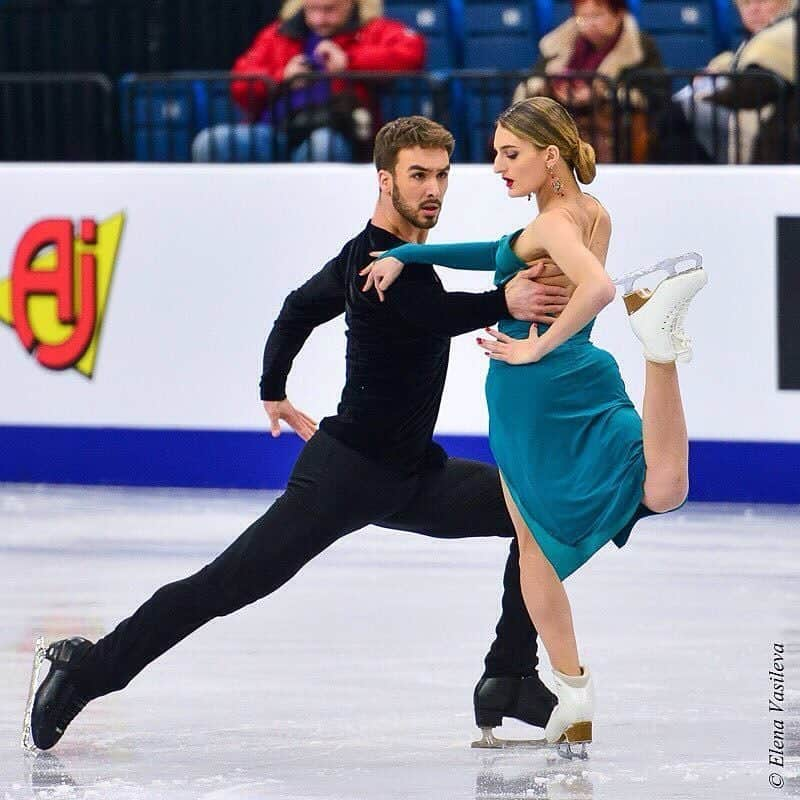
x: 58, y: 290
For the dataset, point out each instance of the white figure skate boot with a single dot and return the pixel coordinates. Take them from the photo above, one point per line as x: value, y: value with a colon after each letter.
x: 657, y: 316
x: 571, y: 720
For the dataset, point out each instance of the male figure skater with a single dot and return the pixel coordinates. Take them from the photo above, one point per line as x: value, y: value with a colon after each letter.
x: 374, y: 462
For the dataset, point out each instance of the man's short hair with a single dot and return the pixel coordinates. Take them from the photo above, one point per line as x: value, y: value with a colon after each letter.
x: 409, y: 132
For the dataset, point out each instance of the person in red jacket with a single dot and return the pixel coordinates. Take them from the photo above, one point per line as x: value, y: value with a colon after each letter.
x: 319, y: 120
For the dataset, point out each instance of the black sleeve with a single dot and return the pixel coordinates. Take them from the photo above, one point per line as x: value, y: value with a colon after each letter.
x: 425, y: 305
x: 317, y: 301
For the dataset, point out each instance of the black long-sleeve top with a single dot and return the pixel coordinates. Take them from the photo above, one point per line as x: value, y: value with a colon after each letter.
x: 397, y: 351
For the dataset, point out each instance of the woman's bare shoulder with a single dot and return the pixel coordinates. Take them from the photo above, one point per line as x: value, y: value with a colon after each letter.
x: 560, y: 222
x: 535, y: 234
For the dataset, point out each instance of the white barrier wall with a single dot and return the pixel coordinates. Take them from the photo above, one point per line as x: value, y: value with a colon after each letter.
x: 207, y: 255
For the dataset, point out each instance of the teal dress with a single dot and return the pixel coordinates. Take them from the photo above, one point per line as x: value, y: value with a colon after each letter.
x: 563, y: 431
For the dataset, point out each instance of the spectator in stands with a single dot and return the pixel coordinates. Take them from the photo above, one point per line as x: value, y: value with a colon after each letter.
x: 601, y: 37
x: 763, y: 110
x: 313, y: 120
x: 715, y: 128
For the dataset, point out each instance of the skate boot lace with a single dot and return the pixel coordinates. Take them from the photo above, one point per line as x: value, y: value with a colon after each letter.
x: 683, y: 343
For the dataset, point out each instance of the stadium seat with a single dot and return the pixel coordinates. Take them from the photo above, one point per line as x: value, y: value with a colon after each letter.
x: 562, y: 11
x: 740, y: 33
x: 160, y: 119
x: 408, y: 96
x: 215, y: 104
x: 435, y: 21
x: 684, y: 30
x: 499, y: 35
x: 730, y: 31
x: 482, y: 101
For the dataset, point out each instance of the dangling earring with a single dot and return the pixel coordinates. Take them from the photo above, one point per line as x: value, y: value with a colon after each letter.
x: 529, y: 197
x: 555, y: 182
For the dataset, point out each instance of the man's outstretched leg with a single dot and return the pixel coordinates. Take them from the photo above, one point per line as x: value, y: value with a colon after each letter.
x: 465, y: 499
x: 332, y: 491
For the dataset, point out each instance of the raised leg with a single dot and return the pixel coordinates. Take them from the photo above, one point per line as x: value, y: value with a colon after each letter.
x: 666, y: 442
x: 657, y: 319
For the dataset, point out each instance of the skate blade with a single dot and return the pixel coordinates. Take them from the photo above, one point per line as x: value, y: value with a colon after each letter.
x: 489, y: 741
x: 564, y: 750
x: 577, y: 735
x: 39, y: 656
x: 669, y: 265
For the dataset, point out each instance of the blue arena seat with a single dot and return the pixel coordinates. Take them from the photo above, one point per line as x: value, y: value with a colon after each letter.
x: 500, y: 35
x: 685, y: 31
x: 160, y: 119
x: 215, y: 104
x: 480, y: 102
x: 740, y: 33
x: 434, y: 20
x: 562, y: 11
x: 405, y: 97
x: 730, y: 31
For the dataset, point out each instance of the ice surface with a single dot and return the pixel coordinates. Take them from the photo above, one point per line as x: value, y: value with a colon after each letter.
x: 355, y: 679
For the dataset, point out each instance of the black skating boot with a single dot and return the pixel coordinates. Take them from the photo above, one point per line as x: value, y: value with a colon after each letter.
x: 526, y: 699
x: 58, y: 700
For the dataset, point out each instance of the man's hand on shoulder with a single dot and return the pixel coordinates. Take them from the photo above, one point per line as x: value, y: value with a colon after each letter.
x: 298, y: 421
x: 538, y: 294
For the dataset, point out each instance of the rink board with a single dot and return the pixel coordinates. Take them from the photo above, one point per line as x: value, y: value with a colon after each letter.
x: 191, y: 266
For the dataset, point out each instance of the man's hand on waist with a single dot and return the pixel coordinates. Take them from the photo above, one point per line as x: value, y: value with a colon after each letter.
x: 539, y: 293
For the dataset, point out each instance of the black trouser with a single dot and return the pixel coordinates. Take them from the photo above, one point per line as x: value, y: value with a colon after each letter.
x: 332, y: 491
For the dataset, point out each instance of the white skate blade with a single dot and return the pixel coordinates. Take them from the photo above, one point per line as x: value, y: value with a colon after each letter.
x: 38, y: 659
x: 669, y: 265
x: 489, y: 741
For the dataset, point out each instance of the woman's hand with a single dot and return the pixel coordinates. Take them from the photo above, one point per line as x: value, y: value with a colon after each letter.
x: 512, y: 351
x: 381, y: 274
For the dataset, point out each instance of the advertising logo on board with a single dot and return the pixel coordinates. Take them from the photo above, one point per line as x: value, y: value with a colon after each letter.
x: 57, y: 293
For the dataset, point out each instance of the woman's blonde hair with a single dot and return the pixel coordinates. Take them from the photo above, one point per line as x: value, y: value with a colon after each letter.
x: 544, y: 122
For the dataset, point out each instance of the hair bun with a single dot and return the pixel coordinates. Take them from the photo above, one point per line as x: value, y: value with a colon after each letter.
x: 585, y: 162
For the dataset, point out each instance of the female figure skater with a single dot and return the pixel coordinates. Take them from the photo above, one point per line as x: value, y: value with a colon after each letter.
x: 579, y: 467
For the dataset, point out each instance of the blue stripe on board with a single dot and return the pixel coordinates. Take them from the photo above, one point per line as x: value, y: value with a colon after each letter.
x: 756, y: 472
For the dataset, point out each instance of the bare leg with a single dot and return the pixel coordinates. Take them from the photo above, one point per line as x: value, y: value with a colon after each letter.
x: 666, y: 443
x: 545, y: 598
